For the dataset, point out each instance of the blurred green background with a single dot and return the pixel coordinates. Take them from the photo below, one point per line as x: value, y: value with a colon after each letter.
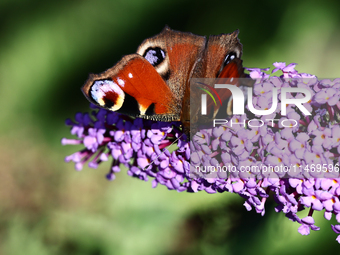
x: 47, y: 50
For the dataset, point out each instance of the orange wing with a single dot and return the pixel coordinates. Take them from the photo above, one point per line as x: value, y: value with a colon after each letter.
x: 132, y: 87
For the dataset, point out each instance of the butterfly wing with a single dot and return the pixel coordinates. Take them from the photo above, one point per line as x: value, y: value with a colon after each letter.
x: 132, y: 87
x: 221, y: 59
x: 151, y: 83
x: 227, y: 67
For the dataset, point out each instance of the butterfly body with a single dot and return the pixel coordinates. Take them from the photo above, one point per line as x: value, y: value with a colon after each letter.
x: 154, y: 83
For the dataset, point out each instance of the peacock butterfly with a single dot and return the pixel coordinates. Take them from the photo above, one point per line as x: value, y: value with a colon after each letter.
x: 154, y: 82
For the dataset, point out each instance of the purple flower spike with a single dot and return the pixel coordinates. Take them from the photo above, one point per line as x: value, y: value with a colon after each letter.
x: 294, y: 157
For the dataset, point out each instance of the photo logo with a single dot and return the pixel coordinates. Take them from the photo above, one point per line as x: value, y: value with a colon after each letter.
x: 204, y: 97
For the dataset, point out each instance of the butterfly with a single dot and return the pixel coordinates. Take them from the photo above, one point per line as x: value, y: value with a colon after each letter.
x: 154, y: 83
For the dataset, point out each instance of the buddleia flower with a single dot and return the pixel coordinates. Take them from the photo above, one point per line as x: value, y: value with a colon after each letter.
x: 297, y: 156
